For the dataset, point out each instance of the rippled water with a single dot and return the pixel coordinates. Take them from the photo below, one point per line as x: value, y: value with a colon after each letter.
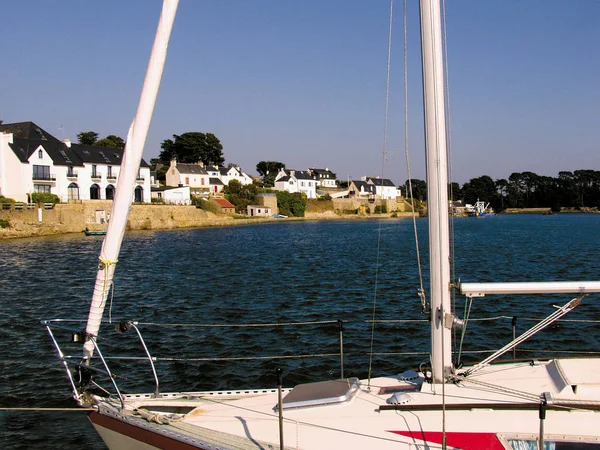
x: 269, y: 273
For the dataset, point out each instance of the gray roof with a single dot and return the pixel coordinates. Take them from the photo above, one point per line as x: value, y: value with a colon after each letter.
x: 322, y: 172
x: 60, y: 154
x: 381, y: 181
x: 364, y: 185
x: 282, y: 179
x: 302, y: 175
x: 27, y: 130
x: 191, y: 168
x: 63, y: 155
x: 215, y: 181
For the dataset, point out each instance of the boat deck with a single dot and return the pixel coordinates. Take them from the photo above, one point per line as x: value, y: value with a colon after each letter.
x: 500, y: 402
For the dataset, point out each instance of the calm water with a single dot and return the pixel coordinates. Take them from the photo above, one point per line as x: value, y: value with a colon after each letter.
x: 274, y: 273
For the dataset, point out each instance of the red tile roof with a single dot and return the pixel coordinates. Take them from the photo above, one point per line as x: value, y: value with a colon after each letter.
x: 223, y: 203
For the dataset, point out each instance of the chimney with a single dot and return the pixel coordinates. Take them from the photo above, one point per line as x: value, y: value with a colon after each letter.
x: 67, y: 142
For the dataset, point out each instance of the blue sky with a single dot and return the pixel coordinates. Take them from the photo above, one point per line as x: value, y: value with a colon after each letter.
x: 303, y: 82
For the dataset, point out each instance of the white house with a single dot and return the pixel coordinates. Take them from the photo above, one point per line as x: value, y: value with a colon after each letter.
x: 226, y: 174
x: 361, y: 189
x: 384, y: 187
x: 296, y: 181
x: 32, y: 160
x: 259, y: 211
x: 324, y: 177
x: 172, y: 195
x: 193, y: 176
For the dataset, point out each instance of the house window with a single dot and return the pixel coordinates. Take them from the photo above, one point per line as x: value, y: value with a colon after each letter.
x: 94, y: 171
x: 73, y: 191
x: 70, y: 172
x: 139, y: 194
x: 302, y: 183
x: 41, y: 172
x: 187, y: 181
x: 109, y: 172
x: 110, y: 192
x: 40, y: 154
x: 202, y: 181
x: 41, y: 188
x: 94, y: 192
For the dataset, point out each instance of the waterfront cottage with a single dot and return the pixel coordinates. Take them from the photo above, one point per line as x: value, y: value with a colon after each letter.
x: 296, y: 181
x: 259, y: 211
x: 32, y: 160
x: 224, y: 206
x: 324, y: 177
x: 384, y: 188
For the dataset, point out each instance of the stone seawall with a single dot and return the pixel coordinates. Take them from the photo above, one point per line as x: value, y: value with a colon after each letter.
x: 74, y: 218
x: 93, y: 215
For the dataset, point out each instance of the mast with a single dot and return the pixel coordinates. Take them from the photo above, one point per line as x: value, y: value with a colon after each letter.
x: 132, y: 155
x: 437, y: 186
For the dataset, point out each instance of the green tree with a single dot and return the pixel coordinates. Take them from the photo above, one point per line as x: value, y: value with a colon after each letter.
x: 87, y: 137
x: 454, y: 191
x: 240, y: 195
x: 111, y: 141
x: 193, y: 147
x: 268, y: 170
x: 419, y: 189
x: 481, y: 188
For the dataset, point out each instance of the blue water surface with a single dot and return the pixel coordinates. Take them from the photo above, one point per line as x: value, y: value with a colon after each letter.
x: 284, y: 272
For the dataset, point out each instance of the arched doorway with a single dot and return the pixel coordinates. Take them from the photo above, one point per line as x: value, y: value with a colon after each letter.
x: 73, y: 191
x: 94, y: 192
x: 110, y: 192
x: 139, y: 194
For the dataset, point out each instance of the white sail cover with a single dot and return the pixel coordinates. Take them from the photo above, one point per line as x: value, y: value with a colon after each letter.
x: 132, y: 156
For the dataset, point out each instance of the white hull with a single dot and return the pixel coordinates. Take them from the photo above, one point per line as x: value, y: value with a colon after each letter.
x: 487, y: 410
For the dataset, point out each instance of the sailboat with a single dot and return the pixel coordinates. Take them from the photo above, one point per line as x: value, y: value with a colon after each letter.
x: 510, y: 405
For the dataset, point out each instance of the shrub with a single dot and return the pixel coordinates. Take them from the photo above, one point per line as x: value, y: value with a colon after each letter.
x: 380, y: 209
x: 44, y: 197
x: 4, y: 199
x: 205, y: 205
x: 325, y: 197
x: 4, y: 223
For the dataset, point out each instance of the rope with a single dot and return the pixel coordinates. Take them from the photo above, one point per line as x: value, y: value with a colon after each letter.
x: 383, y: 156
x: 421, y: 292
x: 48, y: 409
x: 464, y: 329
x: 212, y: 325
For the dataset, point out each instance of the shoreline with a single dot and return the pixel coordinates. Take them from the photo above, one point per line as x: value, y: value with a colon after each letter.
x: 64, y: 222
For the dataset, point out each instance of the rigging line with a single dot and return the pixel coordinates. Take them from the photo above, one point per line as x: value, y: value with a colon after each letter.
x: 421, y: 292
x: 48, y: 409
x: 385, y: 128
x: 464, y: 328
x: 233, y: 325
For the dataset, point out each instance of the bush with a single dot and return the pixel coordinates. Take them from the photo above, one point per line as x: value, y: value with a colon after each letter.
x: 4, y: 199
x: 380, y: 209
x: 291, y: 204
x: 44, y: 197
x: 324, y: 198
x: 4, y: 223
x: 205, y: 205
x: 160, y: 201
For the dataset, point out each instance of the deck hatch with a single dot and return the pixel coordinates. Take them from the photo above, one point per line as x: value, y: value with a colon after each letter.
x: 321, y: 393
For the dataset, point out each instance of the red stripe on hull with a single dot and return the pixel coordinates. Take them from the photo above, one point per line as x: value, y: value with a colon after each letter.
x: 139, y: 434
x: 464, y: 441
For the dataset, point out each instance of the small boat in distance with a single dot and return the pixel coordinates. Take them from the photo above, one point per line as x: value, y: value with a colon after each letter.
x: 94, y: 233
x: 481, y: 209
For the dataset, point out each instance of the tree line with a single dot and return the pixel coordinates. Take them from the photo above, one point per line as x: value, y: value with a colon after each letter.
x: 578, y: 189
